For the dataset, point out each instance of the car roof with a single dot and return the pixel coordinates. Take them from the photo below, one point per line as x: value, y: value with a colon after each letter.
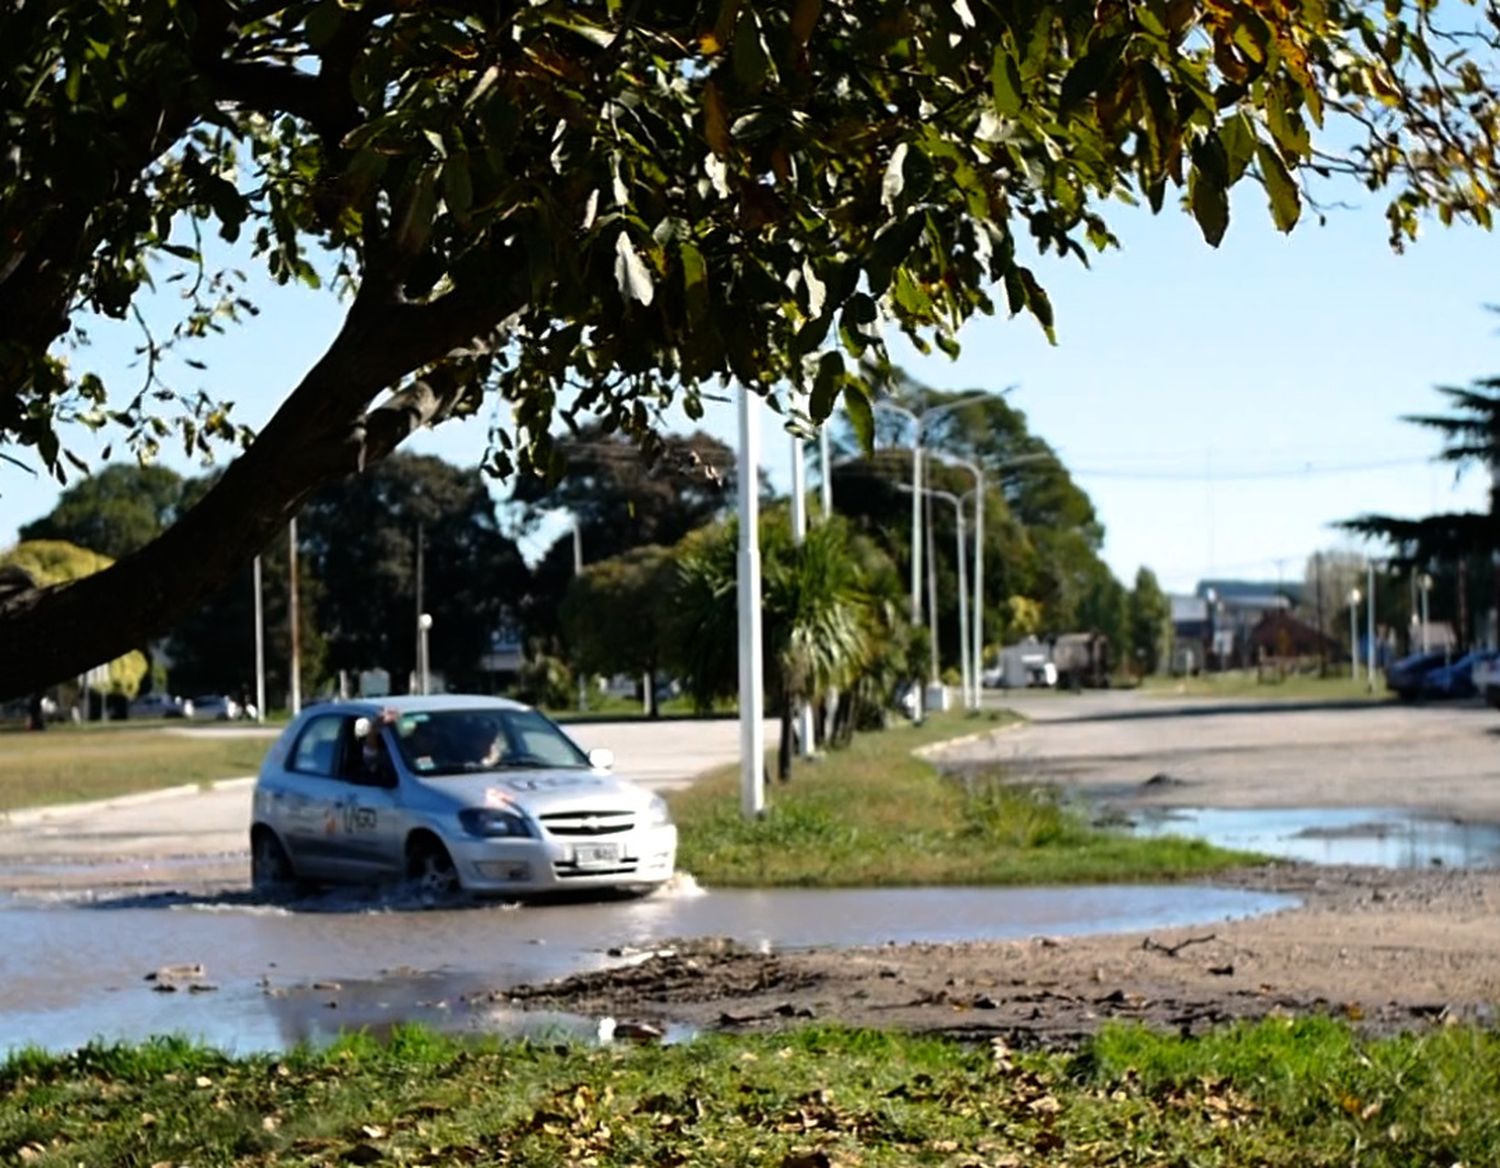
x: 426, y: 703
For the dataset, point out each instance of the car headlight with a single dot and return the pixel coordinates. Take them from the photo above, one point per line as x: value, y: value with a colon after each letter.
x: 657, y: 812
x: 491, y: 823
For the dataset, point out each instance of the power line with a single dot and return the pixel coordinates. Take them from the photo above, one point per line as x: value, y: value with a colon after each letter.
x: 1222, y: 476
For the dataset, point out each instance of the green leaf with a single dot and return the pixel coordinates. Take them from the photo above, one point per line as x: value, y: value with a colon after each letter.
x: 1087, y: 76
x: 323, y: 23
x: 458, y: 190
x: 1005, y: 82
x: 891, y: 246
x: 861, y: 416
x: 694, y: 281
x: 1286, y: 201
x: 1210, y: 204
x: 826, y: 385
x: 751, y: 62
x: 1238, y: 139
x: 1038, y: 301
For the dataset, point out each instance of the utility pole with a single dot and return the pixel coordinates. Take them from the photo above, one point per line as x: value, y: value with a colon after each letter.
x: 294, y: 621
x: 578, y: 571
x: 260, y: 647
x: 1318, y: 600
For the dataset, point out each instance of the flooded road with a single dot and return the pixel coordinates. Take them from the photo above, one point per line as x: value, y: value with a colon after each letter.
x: 273, y: 976
x: 1384, y: 837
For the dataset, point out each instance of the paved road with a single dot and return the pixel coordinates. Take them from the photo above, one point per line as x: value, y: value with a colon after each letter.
x: 193, y: 833
x: 1442, y: 758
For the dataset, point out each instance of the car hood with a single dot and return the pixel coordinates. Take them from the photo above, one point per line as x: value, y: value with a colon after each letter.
x: 537, y: 791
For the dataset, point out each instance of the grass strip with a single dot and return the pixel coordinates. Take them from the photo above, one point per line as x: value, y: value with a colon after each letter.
x: 1304, y: 1093
x: 875, y: 815
x: 1268, y: 687
x: 65, y: 765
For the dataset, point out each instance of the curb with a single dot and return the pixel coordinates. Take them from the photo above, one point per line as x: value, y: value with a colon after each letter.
x: 27, y: 815
x: 926, y: 753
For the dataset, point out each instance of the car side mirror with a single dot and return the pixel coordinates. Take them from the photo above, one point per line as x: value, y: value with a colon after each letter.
x: 601, y: 758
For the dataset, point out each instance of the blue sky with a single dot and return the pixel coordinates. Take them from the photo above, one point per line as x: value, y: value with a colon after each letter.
x: 1222, y: 408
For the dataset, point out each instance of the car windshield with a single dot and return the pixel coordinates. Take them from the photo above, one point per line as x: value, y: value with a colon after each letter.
x: 459, y: 742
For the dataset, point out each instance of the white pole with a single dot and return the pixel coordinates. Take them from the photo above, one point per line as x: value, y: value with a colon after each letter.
x: 799, y: 536
x: 963, y: 612
x: 1370, y: 626
x: 578, y: 571
x: 978, y: 617
x: 1354, y: 634
x: 260, y: 649
x: 294, y: 621
x: 919, y: 698
x: 420, y: 684
x: 752, y: 696
x: 825, y: 457
x: 1426, y: 583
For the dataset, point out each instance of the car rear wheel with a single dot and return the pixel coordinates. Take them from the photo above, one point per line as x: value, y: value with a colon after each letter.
x: 270, y: 867
x: 430, y: 869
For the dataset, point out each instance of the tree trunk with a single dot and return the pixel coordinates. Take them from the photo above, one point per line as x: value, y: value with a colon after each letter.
x: 652, y: 709
x: 321, y: 432
x: 784, y: 751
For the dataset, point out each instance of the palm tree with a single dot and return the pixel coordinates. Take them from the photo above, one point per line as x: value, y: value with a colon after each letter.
x: 819, y: 632
x: 1471, y: 434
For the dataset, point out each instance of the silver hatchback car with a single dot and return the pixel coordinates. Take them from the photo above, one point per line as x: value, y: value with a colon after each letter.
x: 449, y: 791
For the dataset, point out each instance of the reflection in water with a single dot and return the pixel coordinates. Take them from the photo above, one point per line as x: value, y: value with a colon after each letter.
x: 282, y: 976
x: 1382, y: 837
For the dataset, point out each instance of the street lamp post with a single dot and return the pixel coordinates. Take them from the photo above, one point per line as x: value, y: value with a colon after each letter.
x: 919, y: 420
x: 970, y: 679
x: 1354, y: 599
x: 424, y: 667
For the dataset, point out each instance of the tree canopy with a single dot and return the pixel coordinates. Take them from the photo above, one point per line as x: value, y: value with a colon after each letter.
x: 590, y: 208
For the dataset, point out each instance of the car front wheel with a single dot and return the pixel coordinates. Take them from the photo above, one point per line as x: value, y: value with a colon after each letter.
x: 430, y: 869
x: 270, y: 868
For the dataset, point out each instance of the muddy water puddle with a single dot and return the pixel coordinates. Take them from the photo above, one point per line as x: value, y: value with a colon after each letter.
x: 274, y: 975
x: 1382, y: 837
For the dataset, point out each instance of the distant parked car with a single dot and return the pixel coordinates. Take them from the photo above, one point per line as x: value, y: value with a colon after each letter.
x: 214, y: 708
x: 159, y: 705
x: 1486, y: 678
x: 1404, y: 678
x: 1457, y: 679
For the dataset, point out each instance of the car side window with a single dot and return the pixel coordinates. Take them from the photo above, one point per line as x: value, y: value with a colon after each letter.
x: 317, y: 749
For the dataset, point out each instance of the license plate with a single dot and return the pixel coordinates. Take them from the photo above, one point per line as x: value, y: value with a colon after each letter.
x: 591, y: 855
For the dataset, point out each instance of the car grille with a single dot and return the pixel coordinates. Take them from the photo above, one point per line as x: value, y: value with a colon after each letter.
x: 574, y: 824
x: 566, y: 871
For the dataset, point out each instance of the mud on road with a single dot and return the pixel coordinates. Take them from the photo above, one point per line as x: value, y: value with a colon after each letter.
x: 1389, y: 949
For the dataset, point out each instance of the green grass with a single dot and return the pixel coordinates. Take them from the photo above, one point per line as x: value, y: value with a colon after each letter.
x: 1248, y: 684
x: 875, y: 815
x: 64, y: 764
x: 1308, y: 1093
